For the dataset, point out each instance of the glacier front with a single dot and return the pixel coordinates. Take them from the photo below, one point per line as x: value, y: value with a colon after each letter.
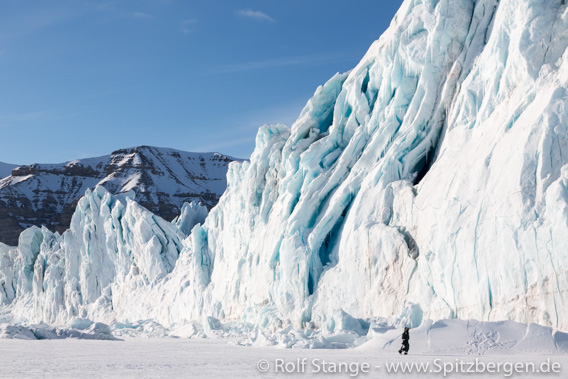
x: 431, y: 177
x: 429, y: 182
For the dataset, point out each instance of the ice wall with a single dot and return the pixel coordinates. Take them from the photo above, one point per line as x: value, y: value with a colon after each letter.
x: 433, y: 175
x: 114, y: 249
x: 191, y: 214
x: 431, y: 181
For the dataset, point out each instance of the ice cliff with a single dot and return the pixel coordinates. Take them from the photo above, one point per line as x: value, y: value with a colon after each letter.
x: 113, y: 247
x: 431, y: 181
x: 434, y: 173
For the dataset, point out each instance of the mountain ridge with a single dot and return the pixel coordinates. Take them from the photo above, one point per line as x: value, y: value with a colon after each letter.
x: 162, y: 179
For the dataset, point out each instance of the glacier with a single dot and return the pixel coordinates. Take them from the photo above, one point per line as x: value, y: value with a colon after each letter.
x: 113, y: 246
x: 429, y: 182
x: 431, y: 177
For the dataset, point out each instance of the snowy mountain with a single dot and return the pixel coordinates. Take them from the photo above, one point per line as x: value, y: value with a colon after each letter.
x: 162, y: 179
x: 429, y: 182
x: 6, y: 169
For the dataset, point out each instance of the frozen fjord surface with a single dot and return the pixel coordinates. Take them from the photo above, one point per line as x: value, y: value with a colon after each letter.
x: 431, y: 181
x: 217, y: 358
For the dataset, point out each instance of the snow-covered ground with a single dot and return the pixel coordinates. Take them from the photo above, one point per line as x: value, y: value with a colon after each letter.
x: 215, y: 358
x: 490, y: 349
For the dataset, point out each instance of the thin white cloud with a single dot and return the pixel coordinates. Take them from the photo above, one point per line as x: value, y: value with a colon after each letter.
x: 282, y: 62
x: 142, y: 16
x: 188, y: 26
x: 255, y: 15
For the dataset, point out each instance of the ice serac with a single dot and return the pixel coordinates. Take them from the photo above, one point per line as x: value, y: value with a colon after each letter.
x: 114, y: 249
x: 191, y: 214
x: 431, y: 177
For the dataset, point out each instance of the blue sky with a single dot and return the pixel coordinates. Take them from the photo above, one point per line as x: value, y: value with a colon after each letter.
x: 84, y: 78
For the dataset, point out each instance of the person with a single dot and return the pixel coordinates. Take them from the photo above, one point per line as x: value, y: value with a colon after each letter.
x: 405, y: 345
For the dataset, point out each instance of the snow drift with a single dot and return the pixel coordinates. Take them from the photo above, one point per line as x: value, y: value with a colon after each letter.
x: 429, y: 182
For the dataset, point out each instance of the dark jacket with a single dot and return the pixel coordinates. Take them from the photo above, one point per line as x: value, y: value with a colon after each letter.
x: 405, y: 336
